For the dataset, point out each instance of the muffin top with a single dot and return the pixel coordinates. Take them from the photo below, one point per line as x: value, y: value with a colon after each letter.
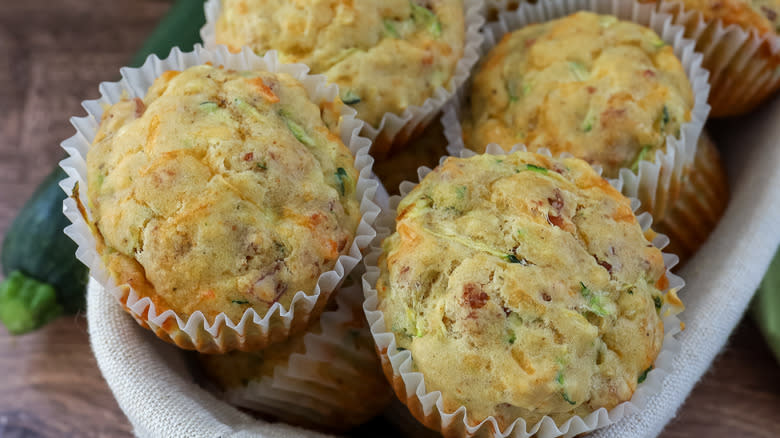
x: 604, y: 90
x: 338, y: 353
x: 761, y: 15
x: 384, y: 54
x: 221, y: 191
x: 523, y: 286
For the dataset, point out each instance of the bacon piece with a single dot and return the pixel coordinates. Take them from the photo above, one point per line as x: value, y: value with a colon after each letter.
x: 140, y: 107
x: 474, y: 296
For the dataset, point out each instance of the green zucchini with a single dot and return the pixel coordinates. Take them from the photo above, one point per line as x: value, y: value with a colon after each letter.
x: 36, y: 245
x: 26, y: 304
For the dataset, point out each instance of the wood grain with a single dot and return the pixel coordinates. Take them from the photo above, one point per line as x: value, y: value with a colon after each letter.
x: 53, y: 54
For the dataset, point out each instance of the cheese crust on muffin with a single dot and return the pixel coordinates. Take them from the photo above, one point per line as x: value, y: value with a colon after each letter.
x: 385, y: 55
x: 523, y: 286
x: 605, y: 90
x: 221, y: 191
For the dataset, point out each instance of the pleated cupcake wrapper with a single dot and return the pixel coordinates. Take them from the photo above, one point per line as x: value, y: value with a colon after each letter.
x: 494, y: 7
x: 657, y: 182
x: 302, y: 390
x: 395, y: 130
x: 743, y: 64
x: 398, y: 415
x: 428, y: 406
x: 702, y: 202
x: 253, y: 331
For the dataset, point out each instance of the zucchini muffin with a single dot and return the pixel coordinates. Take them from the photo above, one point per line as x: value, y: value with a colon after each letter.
x: 740, y: 46
x: 703, y: 200
x: 605, y: 90
x: 221, y: 191
x: 523, y: 286
x: 763, y: 16
x: 328, y: 377
x: 385, y: 55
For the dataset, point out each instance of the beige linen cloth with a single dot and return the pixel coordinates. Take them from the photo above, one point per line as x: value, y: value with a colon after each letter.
x: 155, y: 389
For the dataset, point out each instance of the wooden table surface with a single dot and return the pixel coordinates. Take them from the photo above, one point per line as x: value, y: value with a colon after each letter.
x: 53, y: 54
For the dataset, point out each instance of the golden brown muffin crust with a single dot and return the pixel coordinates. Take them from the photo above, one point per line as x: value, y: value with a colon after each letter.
x: 605, y: 90
x: 763, y: 16
x: 221, y: 191
x: 523, y: 286
x: 385, y: 55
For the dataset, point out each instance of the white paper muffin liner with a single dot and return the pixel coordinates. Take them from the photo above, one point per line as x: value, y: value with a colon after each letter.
x: 703, y: 200
x: 428, y: 406
x: 743, y: 64
x: 495, y: 7
x: 656, y: 183
x: 302, y: 389
x: 395, y: 130
x: 253, y: 330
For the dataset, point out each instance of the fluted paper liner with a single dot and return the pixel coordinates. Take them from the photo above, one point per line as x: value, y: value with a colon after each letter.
x: 395, y: 130
x: 302, y: 389
x: 428, y: 407
x: 703, y: 200
x: 253, y: 330
x: 743, y: 64
x: 656, y: 183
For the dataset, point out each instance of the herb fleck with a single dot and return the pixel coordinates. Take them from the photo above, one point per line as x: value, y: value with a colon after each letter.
x: 564, y: 392
x: 664, y: 118
x: 658, y: 301
x: 578, y: 70
x: 594, y: 301
x: 643, y: 376
x: 240, y: 302
x: 590, y: 118
x: 511, y: 90
x: 350, y: 98
x: 513, y: 259
x: 209, y: 107
x: 390, y: 28
x: 607, y: 20
x: 342, y: 176
x: 262, y: 166
x: 533, y: 168
x: 641, y: 156
x: 426, y: 17
x: 296, y: 129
